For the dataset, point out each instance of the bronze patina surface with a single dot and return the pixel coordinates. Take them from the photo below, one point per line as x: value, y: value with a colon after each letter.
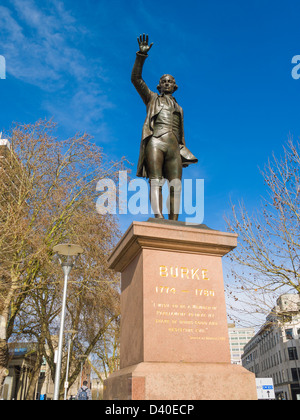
x: 163, y: 152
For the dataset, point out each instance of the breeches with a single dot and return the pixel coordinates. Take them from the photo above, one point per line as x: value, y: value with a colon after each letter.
x: 162, y: 157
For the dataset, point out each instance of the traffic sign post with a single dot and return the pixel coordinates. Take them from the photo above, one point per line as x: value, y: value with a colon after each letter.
x: 265, y: 389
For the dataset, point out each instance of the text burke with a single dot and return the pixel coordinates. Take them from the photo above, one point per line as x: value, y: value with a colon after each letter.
x: 183, y: 272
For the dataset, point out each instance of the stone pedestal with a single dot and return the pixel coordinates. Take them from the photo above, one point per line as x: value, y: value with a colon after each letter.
x: 174, y: 335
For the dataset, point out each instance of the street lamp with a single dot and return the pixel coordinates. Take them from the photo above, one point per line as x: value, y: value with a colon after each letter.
x: 83, y: 358
x: 68, y: 254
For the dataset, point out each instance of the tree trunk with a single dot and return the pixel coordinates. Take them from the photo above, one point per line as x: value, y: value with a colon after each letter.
x: 3, y: 360
x: 33, y: 381
x: 35, y: 373
x: 3, y: 349
x: 4, y: 321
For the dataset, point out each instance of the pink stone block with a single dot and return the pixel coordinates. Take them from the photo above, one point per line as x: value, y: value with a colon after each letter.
x: 173, y: 313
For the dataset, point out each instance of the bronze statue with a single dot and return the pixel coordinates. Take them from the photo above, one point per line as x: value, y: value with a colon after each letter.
x: 163, y: 152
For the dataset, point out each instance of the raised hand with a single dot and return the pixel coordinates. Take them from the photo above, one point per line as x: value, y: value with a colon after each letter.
x: 143, y: 44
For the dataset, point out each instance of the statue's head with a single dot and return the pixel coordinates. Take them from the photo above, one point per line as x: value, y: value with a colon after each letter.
x: 167, y: 84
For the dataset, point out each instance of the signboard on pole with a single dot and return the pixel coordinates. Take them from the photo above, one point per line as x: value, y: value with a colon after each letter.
x: 265, y: 389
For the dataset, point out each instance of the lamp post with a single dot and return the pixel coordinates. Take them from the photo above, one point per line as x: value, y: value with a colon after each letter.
x: 83, y: 358
x: 68, y: 254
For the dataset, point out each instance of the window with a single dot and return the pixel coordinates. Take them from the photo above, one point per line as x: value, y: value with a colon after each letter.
x: 296, y: 374
x: 289, y: 334
x: 293, y: 353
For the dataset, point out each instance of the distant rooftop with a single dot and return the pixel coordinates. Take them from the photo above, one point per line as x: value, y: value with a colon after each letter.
x: 4, y: 142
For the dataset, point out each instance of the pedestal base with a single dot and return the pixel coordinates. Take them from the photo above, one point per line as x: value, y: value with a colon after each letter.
x: 174, y: 333
x: 181, y: 381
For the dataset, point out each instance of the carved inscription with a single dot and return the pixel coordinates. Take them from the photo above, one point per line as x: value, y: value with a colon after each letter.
x: 183, y: 272
x: 195, y: 319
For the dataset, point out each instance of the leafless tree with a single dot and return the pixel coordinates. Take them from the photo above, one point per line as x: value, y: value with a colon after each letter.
x: 47, y: 196
x: 266, y: 261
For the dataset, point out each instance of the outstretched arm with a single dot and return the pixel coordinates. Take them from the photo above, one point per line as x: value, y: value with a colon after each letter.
x: 136, y: 75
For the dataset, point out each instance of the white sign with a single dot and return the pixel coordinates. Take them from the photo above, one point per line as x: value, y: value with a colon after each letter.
x: 265, y: 389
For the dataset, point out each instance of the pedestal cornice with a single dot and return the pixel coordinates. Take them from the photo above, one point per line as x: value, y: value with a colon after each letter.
x: 170, y: 237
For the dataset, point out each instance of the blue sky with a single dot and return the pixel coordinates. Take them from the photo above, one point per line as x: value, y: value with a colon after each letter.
x: 72, y: 60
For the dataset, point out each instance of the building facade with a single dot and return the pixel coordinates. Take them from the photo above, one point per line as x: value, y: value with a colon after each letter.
x: 238, y: 338
x: 20, y: 368
x: 274, y: 351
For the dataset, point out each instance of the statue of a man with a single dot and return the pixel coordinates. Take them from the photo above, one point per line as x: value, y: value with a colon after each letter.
x: 163, y: 152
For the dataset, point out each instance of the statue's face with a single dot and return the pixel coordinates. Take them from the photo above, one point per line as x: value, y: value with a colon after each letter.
x: 167, y: 84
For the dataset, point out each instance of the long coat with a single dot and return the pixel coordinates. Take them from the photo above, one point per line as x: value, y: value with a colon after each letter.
x: 154, y: 105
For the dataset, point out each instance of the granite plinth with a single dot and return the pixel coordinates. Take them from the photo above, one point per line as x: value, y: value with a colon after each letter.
x: 181, y: 381
x: 173, y: 317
